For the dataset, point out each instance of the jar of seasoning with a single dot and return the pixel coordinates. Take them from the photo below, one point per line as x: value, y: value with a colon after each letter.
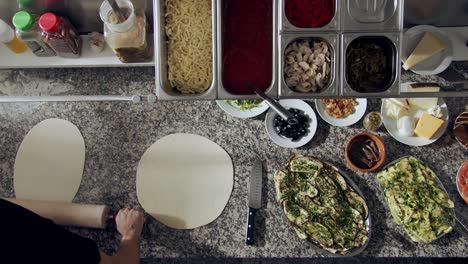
x: 27, y: 29
x: 61, y: 35
x: 128, y: 38
x: 8, y: 37
x: 372, y: 121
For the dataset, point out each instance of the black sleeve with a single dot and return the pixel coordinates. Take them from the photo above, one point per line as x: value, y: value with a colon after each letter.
x: 26, y: 237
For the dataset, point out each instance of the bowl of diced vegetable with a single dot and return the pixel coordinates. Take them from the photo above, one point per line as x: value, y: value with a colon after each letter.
x: 243, y: 108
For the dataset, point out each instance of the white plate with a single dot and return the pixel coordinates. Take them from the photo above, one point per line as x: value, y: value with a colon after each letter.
x: 236, y: 112
x: 391, y: 126
x: 359, y: 111
x: 288, y: 143
x: 437, y: 63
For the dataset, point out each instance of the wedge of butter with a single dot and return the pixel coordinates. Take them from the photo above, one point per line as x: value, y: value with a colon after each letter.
x: 428, y: 125
x: 427, y: 47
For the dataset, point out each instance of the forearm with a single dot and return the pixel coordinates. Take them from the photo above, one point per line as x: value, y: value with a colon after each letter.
x: 128, y: 253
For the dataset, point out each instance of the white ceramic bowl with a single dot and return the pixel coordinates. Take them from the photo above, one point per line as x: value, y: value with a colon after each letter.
x: 236, y: 112
x: 359, y: 111
x: 285, y: 142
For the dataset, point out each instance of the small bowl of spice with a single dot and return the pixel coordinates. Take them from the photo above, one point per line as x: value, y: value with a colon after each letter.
x: 365, y: 152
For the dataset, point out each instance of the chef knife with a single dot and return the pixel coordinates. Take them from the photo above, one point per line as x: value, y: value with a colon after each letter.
x: 255, y: 199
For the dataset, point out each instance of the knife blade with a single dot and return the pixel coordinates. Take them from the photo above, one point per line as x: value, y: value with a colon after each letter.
x: 255, y: 199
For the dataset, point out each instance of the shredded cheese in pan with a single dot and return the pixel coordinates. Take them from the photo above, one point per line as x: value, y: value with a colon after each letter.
x: 189, y: 33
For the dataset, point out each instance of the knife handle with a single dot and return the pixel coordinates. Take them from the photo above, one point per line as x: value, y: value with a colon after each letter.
x: 250, y: 226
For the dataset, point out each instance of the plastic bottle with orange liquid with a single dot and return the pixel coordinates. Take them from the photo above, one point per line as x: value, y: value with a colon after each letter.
x: 8, y: 37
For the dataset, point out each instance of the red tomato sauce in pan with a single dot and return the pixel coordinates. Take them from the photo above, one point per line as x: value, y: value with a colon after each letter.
x: 247, y: 45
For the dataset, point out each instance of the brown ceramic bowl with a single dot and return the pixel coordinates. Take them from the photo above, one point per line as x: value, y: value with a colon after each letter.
x: 379, y: 144
x: 460, y: 129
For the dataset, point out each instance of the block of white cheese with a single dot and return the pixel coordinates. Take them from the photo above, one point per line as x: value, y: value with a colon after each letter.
x: 424, y: 88
x: 422, y: 103
x: 427, y: 47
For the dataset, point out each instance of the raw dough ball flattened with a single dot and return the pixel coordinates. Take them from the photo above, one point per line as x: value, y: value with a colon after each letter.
x: 184, y: 181
x: 50, y: 161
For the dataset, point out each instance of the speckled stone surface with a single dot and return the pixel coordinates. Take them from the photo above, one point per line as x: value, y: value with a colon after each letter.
x: 77, y: 81
x: 117, y: 134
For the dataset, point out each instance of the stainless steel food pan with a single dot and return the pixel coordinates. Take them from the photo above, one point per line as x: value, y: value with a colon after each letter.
x: 272, y: 91
x: 371, y: 15
x: 394, y: 40
x: 332, y: 26
x: 332, y: 89
x: 164, y: 90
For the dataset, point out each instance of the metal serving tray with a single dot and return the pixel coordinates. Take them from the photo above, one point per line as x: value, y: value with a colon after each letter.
x: 394, y: 87
x: 367, y: 221
x: 285, y: 25
x: 371, y: 15
x: 456, y: 223
x: 164, y: 90
x: 272, y: 91
x: 332, y: 88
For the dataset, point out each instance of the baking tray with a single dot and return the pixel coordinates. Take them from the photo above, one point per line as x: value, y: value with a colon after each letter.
x: 371, y: 15
x: 368, y: 221
x: 394, y: 38
x: 332, y: 26
x: 164, y: 90
x: 272, y: 91
x: 332, y: 89
x: 456, y: 223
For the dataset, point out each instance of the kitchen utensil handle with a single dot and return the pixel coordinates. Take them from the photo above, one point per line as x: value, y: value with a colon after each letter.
x: 283, y: 112
x: 250, y: 227
x: 461, y: 227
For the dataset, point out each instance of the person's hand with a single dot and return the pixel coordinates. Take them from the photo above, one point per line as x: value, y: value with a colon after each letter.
x: 130, y: 223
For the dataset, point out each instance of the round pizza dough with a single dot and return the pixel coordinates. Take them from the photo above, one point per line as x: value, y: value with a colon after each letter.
x: 184, y: 181
x: 50, y: 161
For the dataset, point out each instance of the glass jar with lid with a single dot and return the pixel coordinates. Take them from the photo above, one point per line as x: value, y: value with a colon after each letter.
x: 129, y: 38
x: 27, y: 29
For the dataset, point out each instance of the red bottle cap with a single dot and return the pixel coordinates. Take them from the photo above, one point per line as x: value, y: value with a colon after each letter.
x: 49, y: 22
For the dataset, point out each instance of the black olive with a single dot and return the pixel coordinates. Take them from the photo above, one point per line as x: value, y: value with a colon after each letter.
x: 293, y: 132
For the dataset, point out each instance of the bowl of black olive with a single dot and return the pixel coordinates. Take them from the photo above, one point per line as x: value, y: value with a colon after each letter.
x: 292, y: 136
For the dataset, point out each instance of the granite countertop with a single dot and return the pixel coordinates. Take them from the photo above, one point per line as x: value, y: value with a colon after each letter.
x: 117, y: 134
